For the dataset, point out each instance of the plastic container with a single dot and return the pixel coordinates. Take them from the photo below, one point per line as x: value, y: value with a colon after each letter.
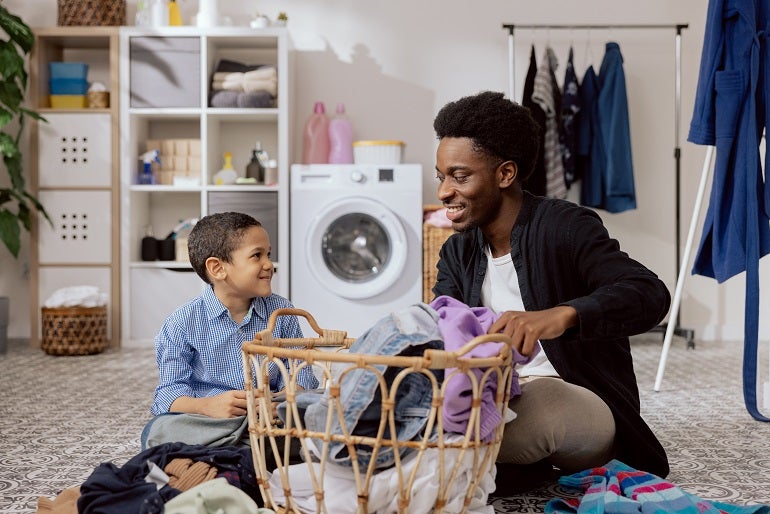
x: 378, y: 152
x: 68, y: 70
x: 315, y: 148
x: 68, y: 86
x: 340, y: 138
x: 255, y: 169
x: 68, y: 101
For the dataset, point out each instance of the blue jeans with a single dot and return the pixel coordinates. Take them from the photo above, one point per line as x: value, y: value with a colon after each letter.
x: 408, y: 331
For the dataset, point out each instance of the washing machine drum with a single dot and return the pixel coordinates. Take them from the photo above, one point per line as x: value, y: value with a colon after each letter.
x: 357, y: 247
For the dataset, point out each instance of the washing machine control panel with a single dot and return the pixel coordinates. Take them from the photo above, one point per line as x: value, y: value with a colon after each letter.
x: 357, y: 177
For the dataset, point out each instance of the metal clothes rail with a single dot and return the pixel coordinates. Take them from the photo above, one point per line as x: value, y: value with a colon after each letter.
x: 672, y: 327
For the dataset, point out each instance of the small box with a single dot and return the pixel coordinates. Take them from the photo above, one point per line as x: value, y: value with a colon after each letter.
x: 181, y: 250
x: 98, y: 99
x: 194, y: 164
x: 167, y: 147
x: 152, y: 144
x: 165, y: 178
x: 194, y: 147
x: 167, y: 163
x: 68, y: 70
x: 68, y: 86
x: 68, y: 101
x: 180, y: 162
x: 181, y: 147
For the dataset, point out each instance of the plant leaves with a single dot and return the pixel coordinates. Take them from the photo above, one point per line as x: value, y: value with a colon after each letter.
x: 10, y: 233
x: 17, y: 30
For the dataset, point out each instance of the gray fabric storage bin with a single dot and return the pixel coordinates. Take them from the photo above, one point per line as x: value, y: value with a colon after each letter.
x: 165, y: 72
x: 262, y: 205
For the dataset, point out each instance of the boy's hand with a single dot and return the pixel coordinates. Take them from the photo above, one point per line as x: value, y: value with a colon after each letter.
x: 225, y: 405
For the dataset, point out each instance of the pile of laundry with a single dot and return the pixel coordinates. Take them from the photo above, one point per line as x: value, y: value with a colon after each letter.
x: 445, y: 324
x: 235, y: 84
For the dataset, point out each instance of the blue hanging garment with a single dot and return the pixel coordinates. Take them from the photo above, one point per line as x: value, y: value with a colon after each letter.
x: 619, y: 191
x: 730, y: 113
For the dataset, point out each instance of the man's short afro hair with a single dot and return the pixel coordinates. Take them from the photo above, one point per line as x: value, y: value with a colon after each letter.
x: 497, y: 126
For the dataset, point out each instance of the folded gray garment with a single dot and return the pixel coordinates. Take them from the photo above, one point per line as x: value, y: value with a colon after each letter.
x: 196, y: 429
x: 255, y: 99
x: 223, y: 98
x: 226, y: 98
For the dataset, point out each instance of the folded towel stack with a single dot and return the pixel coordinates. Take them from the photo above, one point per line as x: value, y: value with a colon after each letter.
x: 235, y: 84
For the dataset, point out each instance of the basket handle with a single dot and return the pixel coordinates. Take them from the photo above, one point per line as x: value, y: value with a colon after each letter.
x: 327, y: 336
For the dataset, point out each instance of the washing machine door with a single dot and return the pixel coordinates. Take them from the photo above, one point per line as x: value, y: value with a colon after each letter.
x: 356, y: 247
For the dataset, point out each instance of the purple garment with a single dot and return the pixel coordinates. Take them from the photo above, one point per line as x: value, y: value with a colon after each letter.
x: 458, y: 324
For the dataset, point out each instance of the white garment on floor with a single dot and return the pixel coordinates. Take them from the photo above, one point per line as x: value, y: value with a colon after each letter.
x: 340, y: 486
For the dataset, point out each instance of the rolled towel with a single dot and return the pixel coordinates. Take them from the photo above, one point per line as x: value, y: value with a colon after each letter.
x: 251, y: 86
x: 260, y: 99
x: 224, y: 99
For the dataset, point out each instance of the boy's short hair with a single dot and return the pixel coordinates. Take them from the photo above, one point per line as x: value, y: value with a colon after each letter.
x: 498, y: 127
x: 217, y: 235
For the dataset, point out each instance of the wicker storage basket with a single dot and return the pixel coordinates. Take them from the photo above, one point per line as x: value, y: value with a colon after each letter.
x: 92, y: 12
x: 457, y: 466
x: 432, y: 239
x: 74, y: 330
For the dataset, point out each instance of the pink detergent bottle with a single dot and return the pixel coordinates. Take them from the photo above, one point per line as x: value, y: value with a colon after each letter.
x: 340, y: 138
x: 315, y: 148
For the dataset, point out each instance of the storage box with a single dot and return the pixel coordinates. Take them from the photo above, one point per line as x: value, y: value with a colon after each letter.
x: 262, y: 205
x: 68, y: 86
x: 68, y: 101
x: 68, y: 70
x: 378, y: 152
x: 98, y: 99
x: 165, y: 72
x: 91, y: 12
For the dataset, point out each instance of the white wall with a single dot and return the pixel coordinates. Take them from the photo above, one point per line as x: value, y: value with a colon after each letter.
x: 394, y: 64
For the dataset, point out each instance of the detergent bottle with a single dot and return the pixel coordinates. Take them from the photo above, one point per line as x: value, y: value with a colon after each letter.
x: 227, y: 174
x: 315, y: 148
x: 340, y: 138
x: 147, y: 177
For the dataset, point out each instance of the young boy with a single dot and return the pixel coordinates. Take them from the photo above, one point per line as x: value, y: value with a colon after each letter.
x: 200, y: 398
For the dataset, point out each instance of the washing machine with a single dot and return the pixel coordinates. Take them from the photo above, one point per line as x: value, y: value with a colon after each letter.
x: 356, y: 242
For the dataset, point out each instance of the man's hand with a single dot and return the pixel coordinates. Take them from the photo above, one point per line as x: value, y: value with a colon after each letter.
x: 527, y: 328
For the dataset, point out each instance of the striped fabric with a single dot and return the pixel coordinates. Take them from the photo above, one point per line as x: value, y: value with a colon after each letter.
x: 546, y: 94
x: 616, y: 488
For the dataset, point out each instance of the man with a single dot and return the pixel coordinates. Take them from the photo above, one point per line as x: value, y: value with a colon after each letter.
x: 559, y: 281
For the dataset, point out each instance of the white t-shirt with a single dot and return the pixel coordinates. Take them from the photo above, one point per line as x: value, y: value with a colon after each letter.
x: 500, y: 292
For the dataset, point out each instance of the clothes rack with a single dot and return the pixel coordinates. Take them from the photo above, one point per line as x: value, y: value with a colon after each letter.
x: 673, y: 326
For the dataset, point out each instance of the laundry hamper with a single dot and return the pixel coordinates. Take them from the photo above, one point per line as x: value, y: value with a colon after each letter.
x: 432, y: 239
x: 452, y: 465
x: 74, y: 330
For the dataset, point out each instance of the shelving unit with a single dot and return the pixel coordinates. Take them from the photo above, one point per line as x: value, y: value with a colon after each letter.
x: 74, y: 171
x: 185, y: 58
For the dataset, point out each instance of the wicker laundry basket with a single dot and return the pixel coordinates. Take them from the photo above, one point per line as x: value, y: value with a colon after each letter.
x: 91, y: 12
x: 432, y: 240
x: 455, y: 464
x: 74, y: 330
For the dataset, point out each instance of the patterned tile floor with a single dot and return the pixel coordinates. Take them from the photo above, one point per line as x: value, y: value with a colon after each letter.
x: 62, y: 416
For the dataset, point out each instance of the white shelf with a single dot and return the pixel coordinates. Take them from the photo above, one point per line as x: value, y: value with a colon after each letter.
x: 151, y: 290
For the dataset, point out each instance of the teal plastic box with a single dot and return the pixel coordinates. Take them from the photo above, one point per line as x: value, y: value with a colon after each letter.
x: 68, y: 70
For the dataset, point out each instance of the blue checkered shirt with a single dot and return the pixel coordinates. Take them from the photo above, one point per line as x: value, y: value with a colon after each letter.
x: 198, y: 349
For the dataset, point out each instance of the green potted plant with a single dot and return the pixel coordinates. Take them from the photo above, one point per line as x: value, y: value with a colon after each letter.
x: 16, y: 203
